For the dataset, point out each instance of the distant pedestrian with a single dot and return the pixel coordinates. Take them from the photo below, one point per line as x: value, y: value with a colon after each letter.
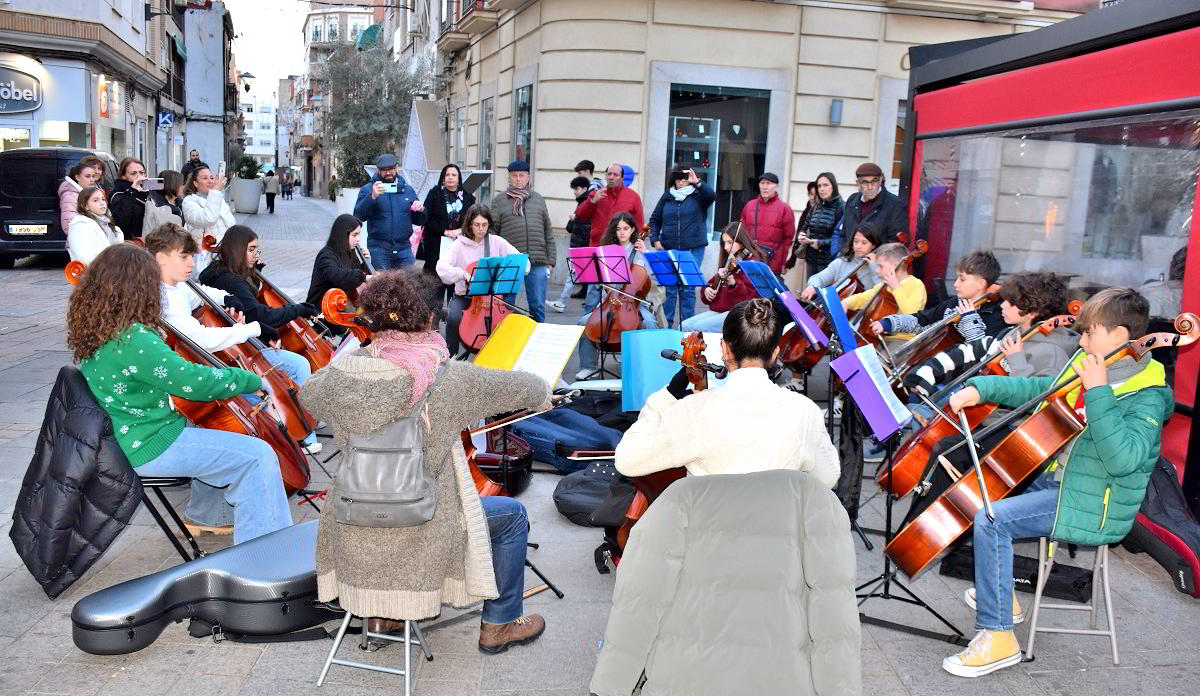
x: 78, y: 178
x: 770, y: 221
x: 523, y: 219
x: 445, y: 206
x: 680, y: 221
x: 271, y: 188
x: 390, y: 208
x: 587, y: 170
x: 872, y: 202
x: 580, y: 233
x: 823, y: 220
x: 192, y: 164
x: 603, y: 203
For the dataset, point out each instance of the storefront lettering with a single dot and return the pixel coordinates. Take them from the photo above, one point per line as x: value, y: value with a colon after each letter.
x: 19, y: 91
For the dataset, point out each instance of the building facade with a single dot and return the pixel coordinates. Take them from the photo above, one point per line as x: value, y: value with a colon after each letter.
x: 98, y: 74
x: 730, y: 88
x: 212, y: 84
x: 258, y: 111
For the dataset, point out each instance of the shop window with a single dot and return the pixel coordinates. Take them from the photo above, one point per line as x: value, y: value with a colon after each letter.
x: 12, y: 138
x: 523, y: 124
x: 487, y: 112
x: 721, y: 133
x: 1102, y: 202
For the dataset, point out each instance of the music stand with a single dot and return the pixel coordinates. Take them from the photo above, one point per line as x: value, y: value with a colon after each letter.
x: 601, y: 265
x: 496, y: 275
x: 675, y: 267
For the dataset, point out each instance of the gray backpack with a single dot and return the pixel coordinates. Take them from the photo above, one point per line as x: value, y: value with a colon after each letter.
x: 382, y: 481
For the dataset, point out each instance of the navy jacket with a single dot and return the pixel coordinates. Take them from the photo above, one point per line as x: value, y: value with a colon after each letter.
x: 389, y: 220
x: 682, y: 224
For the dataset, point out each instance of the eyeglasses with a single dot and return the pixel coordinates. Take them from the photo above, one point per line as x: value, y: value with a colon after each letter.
x: 869, y: 181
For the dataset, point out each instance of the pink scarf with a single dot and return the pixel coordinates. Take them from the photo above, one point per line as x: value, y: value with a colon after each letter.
x: 421, y: 353
x: 519, y: 196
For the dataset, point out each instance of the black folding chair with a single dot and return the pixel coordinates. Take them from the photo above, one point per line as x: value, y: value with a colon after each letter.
x: 157, y: 484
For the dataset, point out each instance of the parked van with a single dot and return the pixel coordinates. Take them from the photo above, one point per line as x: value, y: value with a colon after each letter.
x: 29, y: 179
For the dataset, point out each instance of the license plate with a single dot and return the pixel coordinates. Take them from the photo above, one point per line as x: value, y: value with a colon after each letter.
x: 28, y: 230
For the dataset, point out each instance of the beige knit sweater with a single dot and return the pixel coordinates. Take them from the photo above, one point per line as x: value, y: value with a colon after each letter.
x: 409, y: 573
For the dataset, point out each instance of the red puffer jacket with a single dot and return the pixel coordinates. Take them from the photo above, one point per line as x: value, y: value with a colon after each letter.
x: 772, y: 224
x: 727, y: 297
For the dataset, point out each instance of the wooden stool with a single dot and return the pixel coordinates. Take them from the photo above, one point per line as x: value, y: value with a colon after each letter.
x: 1099, y: 574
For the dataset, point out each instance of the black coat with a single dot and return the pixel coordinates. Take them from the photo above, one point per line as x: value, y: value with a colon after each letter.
x: 888, y: 213
x: 437, y: 222
x: 579, y: 230
x: 332, y: 271
x: 79, y: 491
x: 219, y: 276
x: 128, y: 208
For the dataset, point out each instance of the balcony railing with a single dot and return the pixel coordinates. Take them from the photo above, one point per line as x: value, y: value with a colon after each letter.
x: 476, y: 16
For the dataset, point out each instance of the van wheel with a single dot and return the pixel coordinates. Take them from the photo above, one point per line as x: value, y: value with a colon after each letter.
x: 7, y: 261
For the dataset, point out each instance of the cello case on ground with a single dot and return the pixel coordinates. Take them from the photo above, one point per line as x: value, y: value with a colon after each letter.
x: 265, y: 586
x: 1166, y: 529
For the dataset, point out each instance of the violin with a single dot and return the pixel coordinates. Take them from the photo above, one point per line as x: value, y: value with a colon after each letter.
x: 333, y: 307
x: 938, y: 337
x: 249, y: 356
x: 236, y: 415
x: 1017, y: 457
x: 724, y: 280
x: 619, y: 311
x: 910, y: 461
x: 883, y: 303
x: 795, y: 352
x: 364, y: 265
x: 481, y: 317
x: 298, y: 335
x: 647, y: 488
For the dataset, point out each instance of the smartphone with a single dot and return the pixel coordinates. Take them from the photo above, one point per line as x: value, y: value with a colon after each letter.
x: 393, y: 187
x: 152, y: 184
x: 221, y: 169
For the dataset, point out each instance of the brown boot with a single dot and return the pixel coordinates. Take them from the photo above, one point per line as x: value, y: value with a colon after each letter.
x: 496, y: 638
x: 384, y: 625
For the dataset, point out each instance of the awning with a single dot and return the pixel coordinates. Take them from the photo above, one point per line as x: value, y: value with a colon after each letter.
x: 369, y: 38
x: 177, y: 42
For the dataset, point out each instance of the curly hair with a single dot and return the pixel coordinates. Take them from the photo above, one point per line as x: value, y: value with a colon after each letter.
x: 397, y: 301
x: 119, y: 289
x: 610, y: 234
x: 1043, y: 295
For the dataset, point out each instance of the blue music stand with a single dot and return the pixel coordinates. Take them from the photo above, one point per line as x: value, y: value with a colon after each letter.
x: 498, y: 275
x: 675, y: 267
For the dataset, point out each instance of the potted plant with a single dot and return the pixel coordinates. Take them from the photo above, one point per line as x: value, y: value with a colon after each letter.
x: 246, y: 188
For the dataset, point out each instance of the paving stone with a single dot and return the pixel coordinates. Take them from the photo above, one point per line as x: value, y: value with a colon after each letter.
x: 71, y: 679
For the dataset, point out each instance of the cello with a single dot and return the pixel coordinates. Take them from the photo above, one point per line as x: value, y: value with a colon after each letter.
x: 647, y: 488
x: 333, y: 308
x: 481, y: 317
x: 1017, y: 457
x: 483, y: 483
x: 298, y: 335
x: 911, y: 459
x: 938, y: 337
x: 619, y: 311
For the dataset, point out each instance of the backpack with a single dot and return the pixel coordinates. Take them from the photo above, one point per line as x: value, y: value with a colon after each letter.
x: 589, y: 496
x: 1166, y: 529
x: 157, y: 215
x: 382, y: 480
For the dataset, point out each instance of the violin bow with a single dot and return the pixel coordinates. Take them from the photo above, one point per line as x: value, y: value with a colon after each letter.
x: 562, y: 400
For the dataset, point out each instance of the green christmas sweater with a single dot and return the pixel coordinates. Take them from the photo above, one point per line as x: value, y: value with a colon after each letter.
x: 132, y: 377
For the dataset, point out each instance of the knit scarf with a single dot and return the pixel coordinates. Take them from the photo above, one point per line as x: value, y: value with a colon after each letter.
x: 420, y: 352
x: 454, y: 203
x: 681, y: 193
x: 518, y: 195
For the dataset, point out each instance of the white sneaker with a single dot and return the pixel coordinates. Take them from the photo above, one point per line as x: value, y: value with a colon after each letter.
x: 1018, y: 613
x: 314, y: 448
x: 585, y: 373
x: 557, y: 306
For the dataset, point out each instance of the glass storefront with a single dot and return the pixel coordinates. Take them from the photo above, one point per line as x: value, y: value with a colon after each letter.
x: 12, y: 138
x: 1101, y: 202
x: 721, y: 132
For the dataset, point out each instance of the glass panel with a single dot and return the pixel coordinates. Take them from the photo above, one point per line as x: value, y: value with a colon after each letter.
x: 1103, y: 202
x: 487, y: 110
x: 316, y: 30
x: 721, y: 132
x: 12, y: 138
x: 523, y: 119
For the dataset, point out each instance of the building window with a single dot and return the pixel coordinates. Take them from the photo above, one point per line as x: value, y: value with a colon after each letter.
x: 248, y: 108
x: 264, y: 142
x: 316, y: 31
x: 523, y: 123
x: 332, y: 30
x: 487, y: 111
x: 460, y: 136
x: 357, y: 26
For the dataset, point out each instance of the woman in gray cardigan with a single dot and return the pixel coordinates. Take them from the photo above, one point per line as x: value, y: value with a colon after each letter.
x: 410, y: 572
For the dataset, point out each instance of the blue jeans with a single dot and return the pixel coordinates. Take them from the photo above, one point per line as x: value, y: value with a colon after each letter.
x: 566, y: 291
x: 589, y: 353
x: 1026, y: 516
x: 536, y: 281
x: 245, y: 467
x: 684, y: 295
x: 397, y: 256
x: 705, y: 321
x: 509, y: 528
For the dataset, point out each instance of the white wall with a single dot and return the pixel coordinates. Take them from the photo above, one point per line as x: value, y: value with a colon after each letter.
x: 126, y: 18
x: 204, y: 73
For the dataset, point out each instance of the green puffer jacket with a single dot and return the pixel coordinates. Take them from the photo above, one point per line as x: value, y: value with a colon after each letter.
x: 1109, y: 465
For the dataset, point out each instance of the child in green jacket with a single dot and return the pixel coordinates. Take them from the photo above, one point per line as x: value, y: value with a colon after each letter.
x: 133, y: 374
x: 1092, y: 489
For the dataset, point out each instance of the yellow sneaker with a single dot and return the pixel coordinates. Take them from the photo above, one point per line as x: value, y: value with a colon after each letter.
x: 988, y: 652
x: 1018, y: 613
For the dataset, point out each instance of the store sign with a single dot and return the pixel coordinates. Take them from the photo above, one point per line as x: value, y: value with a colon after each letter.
x: 19, y: 91
x: 166, y: 119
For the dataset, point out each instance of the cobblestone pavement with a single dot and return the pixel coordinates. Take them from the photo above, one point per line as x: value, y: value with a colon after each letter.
x: 1158, y: 627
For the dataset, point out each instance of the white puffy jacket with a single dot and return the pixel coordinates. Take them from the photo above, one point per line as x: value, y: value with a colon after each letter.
x: 86, y: 238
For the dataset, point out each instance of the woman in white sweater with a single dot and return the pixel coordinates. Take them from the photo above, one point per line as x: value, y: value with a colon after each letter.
x: 747, y: 424
x: 205, y: 210
x: 90, y: 231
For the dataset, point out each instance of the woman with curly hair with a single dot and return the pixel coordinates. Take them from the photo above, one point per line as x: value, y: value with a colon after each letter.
x: 113, y: 330
x: 408, y: 573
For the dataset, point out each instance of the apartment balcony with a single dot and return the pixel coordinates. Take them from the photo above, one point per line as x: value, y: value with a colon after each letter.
x: 476, y: 17
x: 452, y: 40
x: 501, y: 5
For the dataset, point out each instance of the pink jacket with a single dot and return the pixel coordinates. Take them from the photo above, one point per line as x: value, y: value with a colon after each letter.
x: 773, y: 225
x: 452, y: 267
x: 68, y: 200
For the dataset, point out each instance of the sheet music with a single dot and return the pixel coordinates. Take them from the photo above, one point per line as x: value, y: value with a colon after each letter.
x: 868, y: 386
x: 548, y: 349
